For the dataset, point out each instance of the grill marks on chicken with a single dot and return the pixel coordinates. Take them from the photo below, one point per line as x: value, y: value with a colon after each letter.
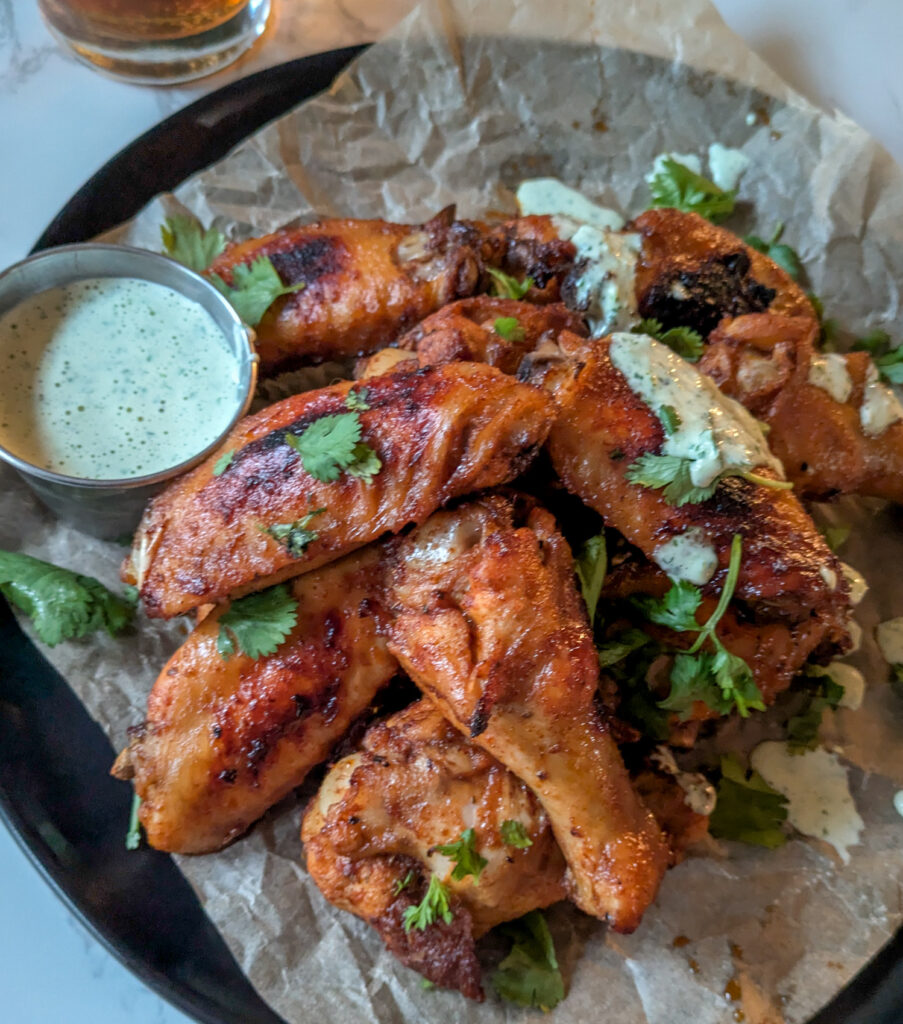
x: 367, y: 281
x: 439, y: 433
x: 764, y: 361
x: 225, y: 740
x: 489, y: 624
x: 370, y: 836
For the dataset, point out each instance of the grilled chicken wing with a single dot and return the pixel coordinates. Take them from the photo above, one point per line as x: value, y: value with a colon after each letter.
x: 831, y: 418
x: 439, y: 433
x: 226, y: 739
x: 691, y: 273
x: 367, y: 281
x: 787, y: 570
x: 489, y: 624
x: 370, y: 836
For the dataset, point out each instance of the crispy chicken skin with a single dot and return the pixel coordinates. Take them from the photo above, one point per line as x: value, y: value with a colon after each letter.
x: 763, y: 360
x: 691, y: 273
x: 487, y: 621
x: 439, y: 433
x: 368, y: 281
x: 680, y: 824
x: 415, y: 784
x: 226, y: 739
x: 603, y: 427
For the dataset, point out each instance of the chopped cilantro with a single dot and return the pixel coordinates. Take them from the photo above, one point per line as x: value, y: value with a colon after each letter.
x: 464, y: 853
x: 508, y: 328
x: 507, y: 287
x: 671, y: 475
x: 514, y: 834
x: 670, y: 418
x: 888, y: 360
x: 402, y: 883
x: 185, y: 240
x: 686, y: 342
x: 223, y: 462
x: 63, y: 605
x: 748, y: 809
x: 254, y: 289
x: 133, y: 836
x: 529, y: 974
x: 333, y: 443
x: 781, y: 253
x: 676, y: 186
x: 802, y: 728
x: 591, y: 565
x: 257, y: 624
x: 835, y: 536
x: 433, y: 906
x: 356, y: 399
x: 295, y: 536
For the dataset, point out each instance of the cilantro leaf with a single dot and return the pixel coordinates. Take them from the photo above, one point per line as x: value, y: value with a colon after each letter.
x: 133, y: 836
x: 254, y: 289
x: 615, y: 651
x: 676, y: 610
x: 670, y: 418
x: 295, y: 536
x: 686, y: 342
x: 802, y: 728
x: 888, y: 360
x: 185, y: 240
x: 748, y: 809
x: 828, y: 328
x: 781, y: 253
x: 464, y: 853
x: 356, y: 399
x: 433, y: 906
x: 507, y: 287
x: 835, y: 536
x: 333, y: 443
x: 735, y: 680
x: 529, y: 974
x: 514, y: 834
x: 223, y: 462
x: 402, y: 883
x: 508, y: 328
x: 63, y: 605
x: 693, y: 679
x: 671, y: 475
x: 591, y: 566
x: 257, y: 624
x: 676, y: 186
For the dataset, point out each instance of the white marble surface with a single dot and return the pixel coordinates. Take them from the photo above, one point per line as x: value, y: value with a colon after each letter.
x: 59, y: 122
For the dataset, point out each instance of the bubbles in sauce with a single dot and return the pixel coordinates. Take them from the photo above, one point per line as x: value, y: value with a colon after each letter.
x: 110, y: 378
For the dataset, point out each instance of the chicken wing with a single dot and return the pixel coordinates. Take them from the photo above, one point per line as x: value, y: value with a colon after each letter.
x: 368, y: 281
x: 438, y: 433
x: 487, y: 621
x: 371, y: 833
x: 226, y: 739
x: 823, y: 409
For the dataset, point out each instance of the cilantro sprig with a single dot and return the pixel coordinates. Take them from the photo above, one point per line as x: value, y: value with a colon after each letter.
x: 186, y: 240
x: 671, y: 475
x: 507, y: 287
x: 63, y: 605
x: 778, y: 251
x: 591, y: 565
x: 514, y: 834
x: 295, y: 536
x: 686, y: 342
x: 675, y: 185
x: 430, y: 909
x: 464, y: 853
x: 332, y: 444
x: 357, y: 399
x: 748, y: 810
x: 888, y: 360
x: 257, y: 624
x: 529, y: 975
x: 508, y: 328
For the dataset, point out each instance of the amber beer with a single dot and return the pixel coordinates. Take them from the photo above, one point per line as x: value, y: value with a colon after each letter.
x: 156, y: 40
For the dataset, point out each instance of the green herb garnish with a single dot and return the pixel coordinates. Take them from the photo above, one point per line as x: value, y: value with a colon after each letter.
x: 356, y: 399
x: 508, y: 328
x: 888, y: 360
x: 433, y: 906
x: 671, y: 475
x: 402, y: 883
x: 133, y: 836
x: 514, y: 834
x: 781, y: 253
x: 464, y: 853
x: 507, y: 287
x: 258, y: 624
x: 670, y: 419
x: 63, y: 605
x: 675, y: 185
x: 185, y: 240
x: 748, y: 809
x: 835, y: 536
x: 529, y: 974
x: 802, y: 728
x: 223, y: 462
x: 827, y: 326
x: 686, y: 342
x: 614, y: 651
x: 332, y: 444
x: 591, y: 565
x: 254, y: 288
x: 295, y: 536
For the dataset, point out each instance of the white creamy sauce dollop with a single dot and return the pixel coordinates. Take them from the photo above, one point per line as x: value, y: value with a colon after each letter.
x: 856, y: 581
x: 880, y: 406
x: 688, y: 556
x: 852, y: 681
x: 689, y: 160
x: 819, y: 802
x: 889, y: 635
x: 726, y: 165
x: 829, y: 373
x: 549, y: 196
x: 715, y: 432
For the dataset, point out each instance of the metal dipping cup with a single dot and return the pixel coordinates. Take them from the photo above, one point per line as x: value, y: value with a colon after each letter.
x: 110, y: 509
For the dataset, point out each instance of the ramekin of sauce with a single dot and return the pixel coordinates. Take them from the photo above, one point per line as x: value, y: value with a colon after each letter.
x: 119, y: 370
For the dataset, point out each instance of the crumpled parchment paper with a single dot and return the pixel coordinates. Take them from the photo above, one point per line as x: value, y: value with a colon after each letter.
x: 458, y: 104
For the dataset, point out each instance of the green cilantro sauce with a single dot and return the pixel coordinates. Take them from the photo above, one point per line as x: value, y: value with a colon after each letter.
x: 110, y: 378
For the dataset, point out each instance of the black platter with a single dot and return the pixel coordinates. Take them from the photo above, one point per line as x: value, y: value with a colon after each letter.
x: 56, y: 795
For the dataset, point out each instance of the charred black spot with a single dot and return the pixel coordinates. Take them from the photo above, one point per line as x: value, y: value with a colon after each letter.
x: 616, y: 455
x: 332, y: 628
x: 354, y: 820
x: 257, y: 751
x: 720, y: 287
x: 217, y: 732
x: 479, y: 720
x: 309, y: 261
x: 302, y: 704
x: 227, y: 775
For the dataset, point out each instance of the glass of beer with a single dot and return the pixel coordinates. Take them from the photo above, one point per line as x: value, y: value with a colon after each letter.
x: 156, y: 41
